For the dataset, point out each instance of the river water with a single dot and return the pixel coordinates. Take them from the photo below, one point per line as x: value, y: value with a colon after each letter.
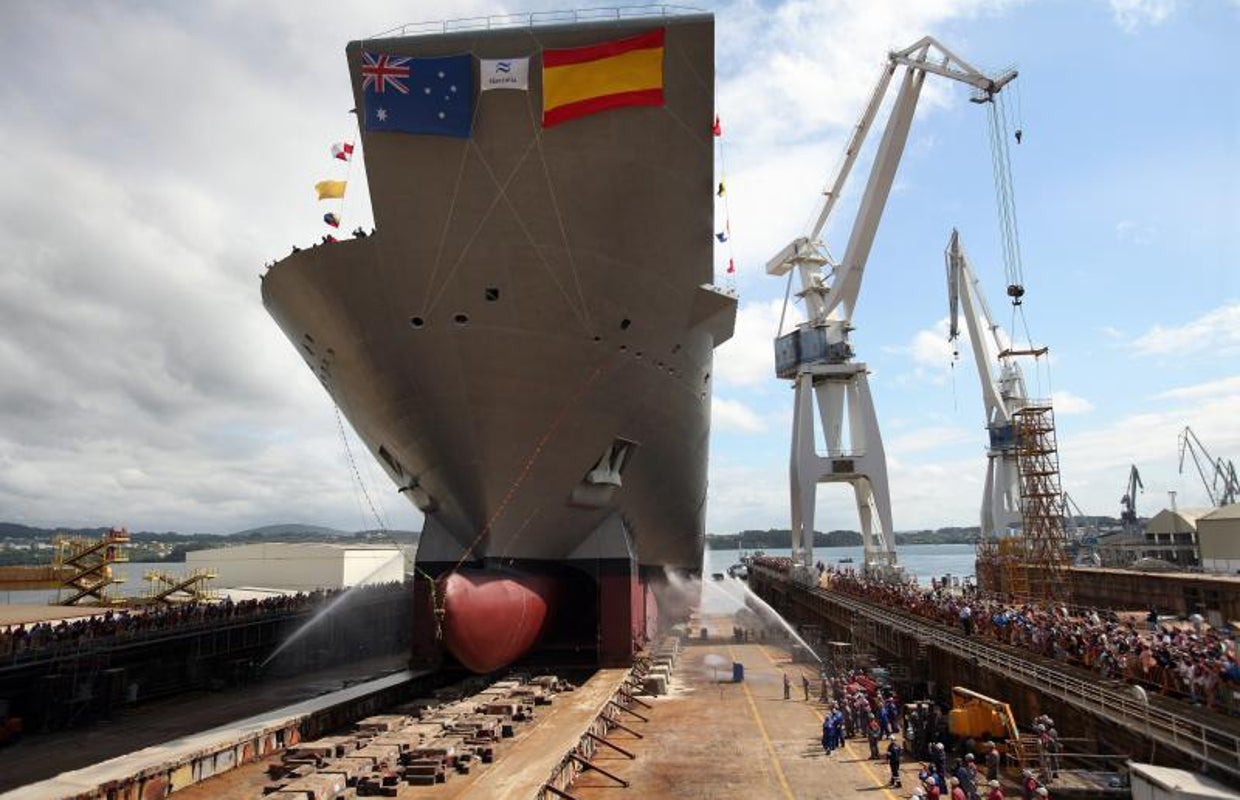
x: 922, y: 560
x: 925, y: 561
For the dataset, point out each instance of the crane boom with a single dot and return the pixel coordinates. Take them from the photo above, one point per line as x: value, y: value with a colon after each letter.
x: 1003, y: 390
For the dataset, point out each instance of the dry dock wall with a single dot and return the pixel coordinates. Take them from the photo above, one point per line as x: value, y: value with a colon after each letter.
x: 931, y: 658
x: 156, y: 772
x: 68, y: 683
x: 1215, y: 597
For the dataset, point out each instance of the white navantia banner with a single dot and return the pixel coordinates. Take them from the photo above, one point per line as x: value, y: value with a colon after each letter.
x: 504, y: 73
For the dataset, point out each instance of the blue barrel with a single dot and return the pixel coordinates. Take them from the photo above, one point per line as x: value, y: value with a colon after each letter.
x: 738, y: 672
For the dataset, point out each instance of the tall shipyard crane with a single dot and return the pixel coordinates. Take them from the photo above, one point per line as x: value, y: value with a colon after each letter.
x: 1222, y: 485
x: 1128, y: 503
x: 1003, y: 391
x: 817, y: 356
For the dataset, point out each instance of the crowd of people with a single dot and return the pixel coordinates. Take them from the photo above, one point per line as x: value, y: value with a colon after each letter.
x: 19, y: 639
x: 854, y: 707
x: 1192, y: 661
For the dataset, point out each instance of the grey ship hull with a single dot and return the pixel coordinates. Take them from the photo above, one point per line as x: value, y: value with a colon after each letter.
x: 525, y: 343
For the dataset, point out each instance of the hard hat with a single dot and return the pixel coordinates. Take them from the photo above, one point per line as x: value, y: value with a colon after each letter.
x: 968, y: 757
x: 994, y: 784
x: 1042, y: 791
x: 955, y: 781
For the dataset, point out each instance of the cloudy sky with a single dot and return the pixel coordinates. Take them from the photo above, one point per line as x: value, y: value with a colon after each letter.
x: 161, y: 153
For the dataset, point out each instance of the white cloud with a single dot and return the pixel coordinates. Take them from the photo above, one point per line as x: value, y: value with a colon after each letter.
x: 1065, y: 402
x: 1094, y: 462
x: 733, y: 415
x: 748, y: 358
x: 1211, y: 389
x: 1132, y: 15
x: 1134, y: 232
x: 1216, y: 332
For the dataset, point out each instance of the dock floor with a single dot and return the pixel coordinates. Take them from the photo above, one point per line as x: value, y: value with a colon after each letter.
x: 738, y: 741
x: 705, y: 739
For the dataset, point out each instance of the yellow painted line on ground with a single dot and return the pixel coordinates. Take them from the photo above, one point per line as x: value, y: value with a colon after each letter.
x: 770, y: 746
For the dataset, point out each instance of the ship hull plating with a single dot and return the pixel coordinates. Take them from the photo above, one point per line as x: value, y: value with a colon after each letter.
x: 525, y: 343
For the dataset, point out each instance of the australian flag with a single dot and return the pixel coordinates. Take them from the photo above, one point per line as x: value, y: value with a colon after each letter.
x: 418, y: 95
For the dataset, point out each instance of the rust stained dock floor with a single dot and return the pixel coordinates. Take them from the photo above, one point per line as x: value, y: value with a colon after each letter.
x: 737, y: 741
x: 704, y: 739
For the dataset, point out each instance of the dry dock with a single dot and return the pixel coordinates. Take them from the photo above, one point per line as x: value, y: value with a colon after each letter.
x: 707, y: 737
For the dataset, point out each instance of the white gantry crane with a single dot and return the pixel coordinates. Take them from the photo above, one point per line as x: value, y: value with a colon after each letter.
x: 817, y: 356
x: 1003, y: 391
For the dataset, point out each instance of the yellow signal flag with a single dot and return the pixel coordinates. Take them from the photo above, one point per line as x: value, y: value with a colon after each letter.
x: 330, y: 189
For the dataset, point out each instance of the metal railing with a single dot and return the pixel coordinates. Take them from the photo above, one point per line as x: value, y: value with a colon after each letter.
x: 535, y: 19
x: 1211, y: 744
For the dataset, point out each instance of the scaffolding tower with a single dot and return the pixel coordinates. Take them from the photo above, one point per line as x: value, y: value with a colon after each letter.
x: 1041, y: 498
x: 89, y: 562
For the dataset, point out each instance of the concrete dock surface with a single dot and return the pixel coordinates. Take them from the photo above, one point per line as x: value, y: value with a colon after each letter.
x: 707, y: 738
x: 711, y: 738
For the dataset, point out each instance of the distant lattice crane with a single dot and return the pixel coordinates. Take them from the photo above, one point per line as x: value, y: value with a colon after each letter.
x: 1217, y: 475
x: 1128, y: 503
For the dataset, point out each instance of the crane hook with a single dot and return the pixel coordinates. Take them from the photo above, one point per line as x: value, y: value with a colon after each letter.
x: 1016, y: 292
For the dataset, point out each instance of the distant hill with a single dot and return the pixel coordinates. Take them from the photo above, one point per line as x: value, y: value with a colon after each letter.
x: 25, y: 544
x: 780, y: 537
x: 270, y: 531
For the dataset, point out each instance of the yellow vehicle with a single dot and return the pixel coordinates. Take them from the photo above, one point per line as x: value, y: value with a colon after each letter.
x: 978, y: 717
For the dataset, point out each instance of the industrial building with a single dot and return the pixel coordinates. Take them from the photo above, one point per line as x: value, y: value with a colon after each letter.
x: 1218, y: 536
x: 1171, y: 535
x: 300, y: 567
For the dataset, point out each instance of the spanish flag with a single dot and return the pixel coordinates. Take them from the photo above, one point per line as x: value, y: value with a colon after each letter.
x: 579, y: 81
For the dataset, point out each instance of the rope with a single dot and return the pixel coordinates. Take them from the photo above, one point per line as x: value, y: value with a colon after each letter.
x: 730, y: 272
x: 357, y: 475
x: 482, y: 221
x: 580, y: 313
x: 447, y: 223
x: 524, y: 472
x: 555, y: 202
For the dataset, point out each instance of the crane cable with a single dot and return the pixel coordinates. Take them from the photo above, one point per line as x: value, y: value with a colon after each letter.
x: 1005, y: 198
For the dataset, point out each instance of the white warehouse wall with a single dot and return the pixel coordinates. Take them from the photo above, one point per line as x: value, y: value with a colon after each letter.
x: 373, y: 566
x: 299, y: 567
